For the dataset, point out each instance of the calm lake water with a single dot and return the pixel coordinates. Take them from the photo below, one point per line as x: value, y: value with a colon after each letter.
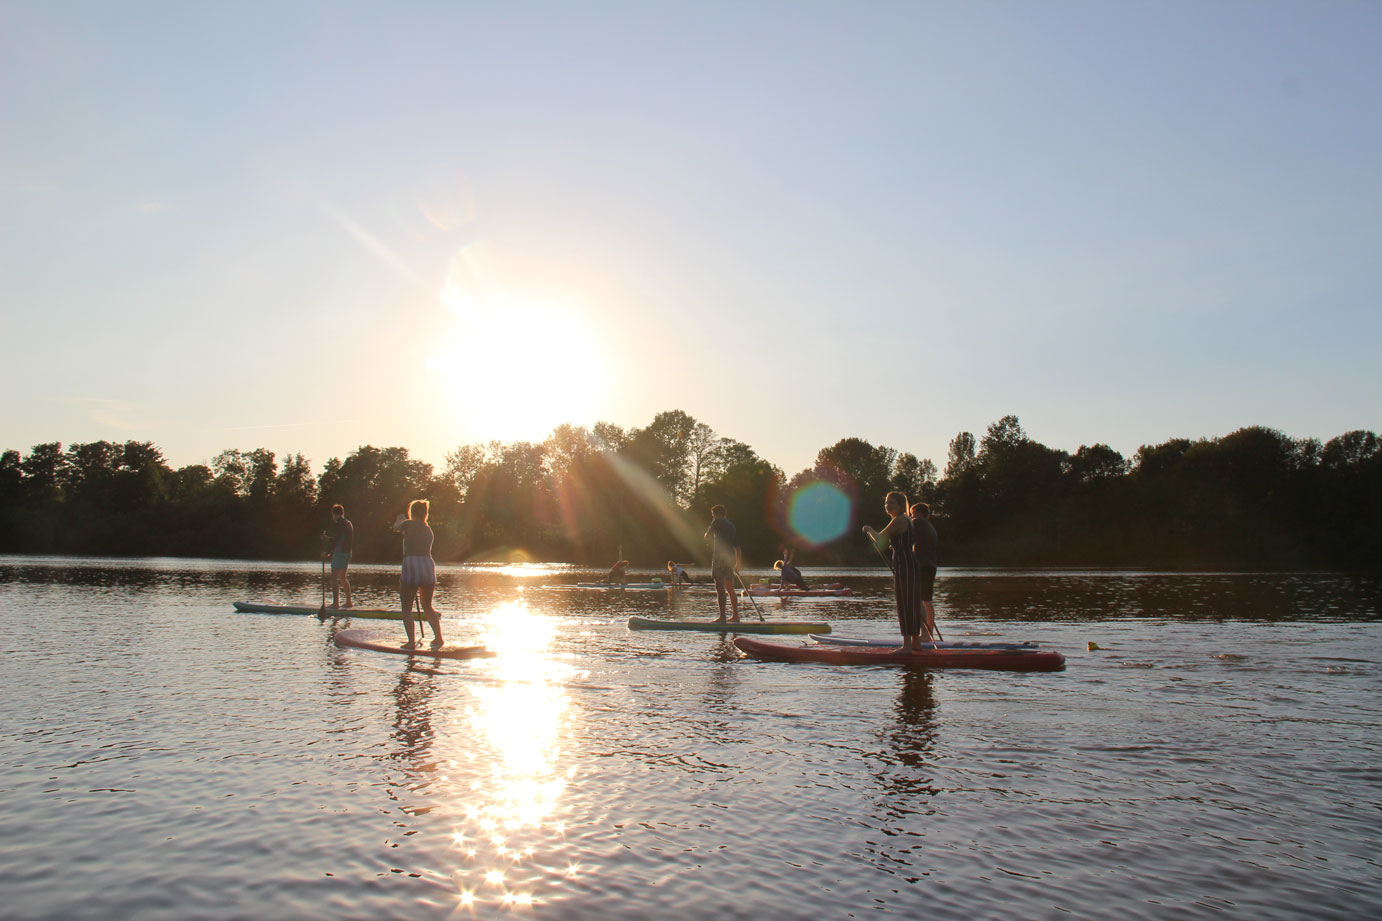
x: 162, y: 757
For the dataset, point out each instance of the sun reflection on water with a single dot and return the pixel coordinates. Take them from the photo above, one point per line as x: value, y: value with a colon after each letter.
x: 515, y: 722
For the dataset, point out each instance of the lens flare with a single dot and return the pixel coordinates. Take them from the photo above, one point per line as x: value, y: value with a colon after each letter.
x: 819, y: 512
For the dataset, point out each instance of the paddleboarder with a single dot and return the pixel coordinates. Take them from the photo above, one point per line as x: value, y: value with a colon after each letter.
x: 788, y: 575
x: 419, y: 573
x: 679, y: 574
x: 897, y: 533
x: 926, y: 543
x: 342, y: 539
x: 618, y: 573
x: 725, y: 557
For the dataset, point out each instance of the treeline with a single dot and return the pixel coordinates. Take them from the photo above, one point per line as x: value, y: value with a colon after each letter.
x: 1255, y: 498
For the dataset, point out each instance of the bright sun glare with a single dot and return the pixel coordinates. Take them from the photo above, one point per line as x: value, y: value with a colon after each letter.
x: 515, y: 370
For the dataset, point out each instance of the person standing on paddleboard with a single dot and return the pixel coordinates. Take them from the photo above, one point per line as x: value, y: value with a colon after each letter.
x: 906, y: 570
x: 419, y: 575
x: 342, y: 539
x: 926, y: 543
x: 725, y: 558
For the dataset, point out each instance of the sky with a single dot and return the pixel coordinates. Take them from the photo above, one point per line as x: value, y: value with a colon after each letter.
x: 311, y: 226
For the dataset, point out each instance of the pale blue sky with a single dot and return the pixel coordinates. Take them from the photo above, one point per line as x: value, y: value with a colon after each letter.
x: 312, y: 226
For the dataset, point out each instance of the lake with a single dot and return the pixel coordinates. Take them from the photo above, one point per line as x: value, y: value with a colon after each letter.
x: 1218, y: 754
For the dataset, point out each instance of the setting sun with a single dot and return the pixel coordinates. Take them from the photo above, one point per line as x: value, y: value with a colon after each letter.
x: 515, y: 370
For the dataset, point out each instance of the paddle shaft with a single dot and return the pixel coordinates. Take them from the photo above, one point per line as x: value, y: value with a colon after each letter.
x: 747, y: 595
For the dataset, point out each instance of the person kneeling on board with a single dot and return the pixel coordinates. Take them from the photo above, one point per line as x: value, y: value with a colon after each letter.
x: 679, y: 574
x: 618, y: 573
x: 789, y: 575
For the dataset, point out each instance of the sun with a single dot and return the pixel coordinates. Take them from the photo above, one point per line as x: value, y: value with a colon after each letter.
x: 513, y: 370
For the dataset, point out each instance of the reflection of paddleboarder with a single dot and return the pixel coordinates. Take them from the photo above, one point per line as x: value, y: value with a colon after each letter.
x: 419, y: 573
x: 725, y: 558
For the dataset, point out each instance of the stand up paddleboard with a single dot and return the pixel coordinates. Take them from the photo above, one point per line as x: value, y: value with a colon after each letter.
x: 823, y: 591
x: 629, y: 586
x: 268, y: 607
x: 378, y: 642
x: 744, y: 626
x: 1011, y: 660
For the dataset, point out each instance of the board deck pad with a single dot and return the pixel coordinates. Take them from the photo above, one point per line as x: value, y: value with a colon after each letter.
x: 1015, y: 660
x: 744, y: 626
x: 381, y: 642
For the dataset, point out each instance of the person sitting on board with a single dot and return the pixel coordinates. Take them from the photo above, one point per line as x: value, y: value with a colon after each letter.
x: 679, y: 574
x: 789, y: 576
x: 926, y: 543
x: 618, y: 573
x: 725, y: 558
x: 897, y: 534
x: 342, y: 543
x: 419, y: 573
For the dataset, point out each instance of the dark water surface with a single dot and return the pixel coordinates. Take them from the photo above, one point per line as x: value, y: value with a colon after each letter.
x: 162, y: 757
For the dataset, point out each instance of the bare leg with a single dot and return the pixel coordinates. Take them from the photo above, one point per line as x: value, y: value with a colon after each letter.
x: 734, y: 604
x: 345, y: 583
x: 407, y: 593
x: 721, y: 587
x: 433, y: 617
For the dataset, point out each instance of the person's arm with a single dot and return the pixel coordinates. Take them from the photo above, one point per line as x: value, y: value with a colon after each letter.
x: 880, y: 538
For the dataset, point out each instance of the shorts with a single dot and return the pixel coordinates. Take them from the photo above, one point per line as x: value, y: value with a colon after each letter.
x: 419, y: 570
x: 340, y: 560
x: 722, y: 570
x: 928, y: 582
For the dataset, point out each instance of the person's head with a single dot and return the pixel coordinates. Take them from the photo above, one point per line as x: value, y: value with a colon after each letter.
x: 777, y: 565
x: 921, y: 510
x: 417, y: 509
x: 338, y: 510
x: 671, y: 566
x: 895, y: 503
x: 718, y: 511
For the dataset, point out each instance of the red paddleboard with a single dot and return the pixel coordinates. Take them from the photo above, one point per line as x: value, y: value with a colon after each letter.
x: 1012, y: 660
x: 379, y: 642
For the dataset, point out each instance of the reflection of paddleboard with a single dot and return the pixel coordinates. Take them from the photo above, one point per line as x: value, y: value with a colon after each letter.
x: 265, y: 607
x: 379, y: 642
x: 1012, y: 660
x: 744, y: 626
x: 897, y: 641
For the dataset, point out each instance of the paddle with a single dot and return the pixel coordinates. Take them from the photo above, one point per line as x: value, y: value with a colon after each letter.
x: 747, y: 595
x: 889, y: 564
x: 322, y: 612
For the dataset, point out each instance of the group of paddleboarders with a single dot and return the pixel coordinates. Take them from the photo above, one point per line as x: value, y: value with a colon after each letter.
x: 418, y: 578
x: 909, y: 536
x: 912, y: 543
